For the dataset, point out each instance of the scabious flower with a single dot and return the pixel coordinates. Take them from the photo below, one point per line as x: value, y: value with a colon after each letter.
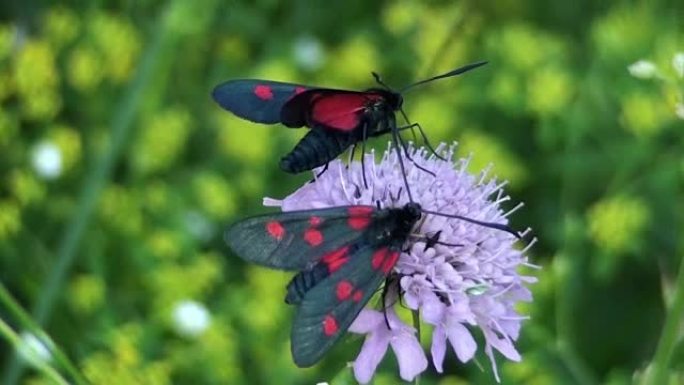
x: 679, y: 110
x: 456, y: 289
x: 678, y: 63
x: 47, y: 160
x: 190, y: 318
x: 35, y: 349
x: 642, y: 69
x: 308, y: 53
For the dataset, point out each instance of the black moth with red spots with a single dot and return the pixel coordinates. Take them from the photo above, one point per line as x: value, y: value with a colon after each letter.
x: 342, y: 255
x: 338, y: 119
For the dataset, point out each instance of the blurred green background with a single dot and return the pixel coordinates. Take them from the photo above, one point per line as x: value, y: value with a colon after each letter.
x: 119, y: 173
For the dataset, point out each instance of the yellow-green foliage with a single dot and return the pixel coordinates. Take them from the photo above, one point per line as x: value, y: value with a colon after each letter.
x: 595, y: 152
x: 615, y: 223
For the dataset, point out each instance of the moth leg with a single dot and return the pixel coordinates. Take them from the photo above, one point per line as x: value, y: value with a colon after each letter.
x: 363, y: 154
x: 395, y: 140
x: 391, y: 281
x: 390, y: 129
x: 325, y: 168
x: 413, y: 132
x: 427, y: 142
x: 351, y: 155
x: 406, y: 153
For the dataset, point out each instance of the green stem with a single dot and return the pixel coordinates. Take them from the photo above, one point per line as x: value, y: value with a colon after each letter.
x: 49, y: 372
x: 415, y: 315
x: 659, y: 366
x: 95, y: 182
x: 28, y: 324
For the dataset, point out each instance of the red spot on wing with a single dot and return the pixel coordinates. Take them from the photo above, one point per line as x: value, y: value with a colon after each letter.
x: 341, y: 111
x: 379, y: 258
x: 313, y: 237
x: 335, y: 259
x: 263, y: 92
x: 384, y: 260
x: 358, y: 296
x: 275, y: 230
x: 359, y: 217
x: 315, y: 221
x: 299, y: 90
x: 344, y: 290
x: 389, y: 262
x: 330, y: 325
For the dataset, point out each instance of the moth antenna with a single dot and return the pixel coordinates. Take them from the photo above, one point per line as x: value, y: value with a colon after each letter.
x: 491, y: 225
x: 449, y: 74
x: 430, y: 241
x: 378, y: 80
x: 395, y: 144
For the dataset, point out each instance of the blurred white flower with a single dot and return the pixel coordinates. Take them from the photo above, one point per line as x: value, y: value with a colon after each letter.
x: 322, y: 383
x: 678, y: 63
x: 198, y: 225
x: 679, y: 110
x: 642, y: 69
x: 308, y: 53
x: 33, y: 349
x: 47, y: 160
x: 190, y: 318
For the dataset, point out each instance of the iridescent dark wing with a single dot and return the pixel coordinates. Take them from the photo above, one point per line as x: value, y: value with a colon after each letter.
x: 330, y: 109
x: 256, y: 100
x: 296, y: 240
x: 329, y: 308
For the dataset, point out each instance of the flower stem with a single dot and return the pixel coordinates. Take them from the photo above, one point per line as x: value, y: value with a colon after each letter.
x: 27, y: 323
x: 14, y: 339
x: 416, y: 323
x: 658, y: 368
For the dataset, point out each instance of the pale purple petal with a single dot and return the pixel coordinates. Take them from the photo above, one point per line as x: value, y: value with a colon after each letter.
x: 432, y: 309
x: 367, y: 321
x: 438, y: 349
x: 503, y: 345
x: 492, y: 360
x: 414, y: 287
x: 462, y: 341
x: 410, y: 355
x: 372, y: 352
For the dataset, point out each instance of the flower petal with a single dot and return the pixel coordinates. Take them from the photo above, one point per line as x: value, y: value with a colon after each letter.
x: 462, y: 341
x: 433, y: 309
x: 503, y: 345
x: 438, y: 349
x: 372, y: 351
x: 410, y: 355
x: 367, y: 321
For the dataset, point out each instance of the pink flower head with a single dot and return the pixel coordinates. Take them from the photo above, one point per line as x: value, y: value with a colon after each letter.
x: 456, y: 289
